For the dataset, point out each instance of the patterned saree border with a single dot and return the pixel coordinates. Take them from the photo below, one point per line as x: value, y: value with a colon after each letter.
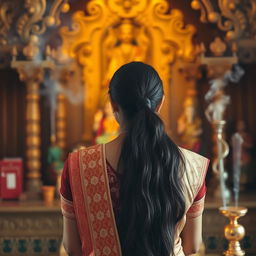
x: 98, y: 202
x: 85, y: 196
x: 79, y: 204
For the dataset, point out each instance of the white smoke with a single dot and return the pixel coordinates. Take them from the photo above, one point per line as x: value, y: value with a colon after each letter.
x: 216, y: 97
x: 217, y: 84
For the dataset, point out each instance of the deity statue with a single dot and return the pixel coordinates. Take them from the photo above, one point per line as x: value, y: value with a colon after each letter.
x: 105, y: 127
x: 189, y: 125
x: 124, y: 45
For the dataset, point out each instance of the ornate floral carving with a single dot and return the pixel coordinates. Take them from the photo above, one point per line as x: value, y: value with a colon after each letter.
x: 28, y: 17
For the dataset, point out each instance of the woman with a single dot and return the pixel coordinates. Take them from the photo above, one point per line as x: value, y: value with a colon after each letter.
x: 138, y: 195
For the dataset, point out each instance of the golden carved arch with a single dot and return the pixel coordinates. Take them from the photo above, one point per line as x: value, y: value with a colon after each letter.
x: 166, y: 39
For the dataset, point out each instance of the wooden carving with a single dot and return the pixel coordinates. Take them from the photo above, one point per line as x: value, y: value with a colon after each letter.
x: 116, y: 32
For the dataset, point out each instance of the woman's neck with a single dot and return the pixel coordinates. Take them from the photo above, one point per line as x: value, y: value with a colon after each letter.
x: 113, y: 149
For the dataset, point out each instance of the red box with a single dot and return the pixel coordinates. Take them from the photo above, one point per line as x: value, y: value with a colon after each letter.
x: 11, y: 178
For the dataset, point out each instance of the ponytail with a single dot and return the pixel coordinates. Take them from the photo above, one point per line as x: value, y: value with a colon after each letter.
x: 150, y: 164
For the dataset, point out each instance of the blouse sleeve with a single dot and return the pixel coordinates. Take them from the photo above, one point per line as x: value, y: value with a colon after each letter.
x: 67, y: 208
x: 197, y: 207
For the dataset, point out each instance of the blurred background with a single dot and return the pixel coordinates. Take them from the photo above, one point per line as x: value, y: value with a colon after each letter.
x: 56, y: 60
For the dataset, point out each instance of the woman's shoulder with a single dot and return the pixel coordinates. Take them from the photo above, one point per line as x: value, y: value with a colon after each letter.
x: 192, y: 156
x: 195, y: 165
x: 195, y: 171
x: 89, y: 150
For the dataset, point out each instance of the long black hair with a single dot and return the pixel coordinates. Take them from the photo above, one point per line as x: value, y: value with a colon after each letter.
x: 151, y: 197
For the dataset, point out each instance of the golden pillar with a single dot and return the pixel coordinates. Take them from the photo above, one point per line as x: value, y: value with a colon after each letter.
x: 61, y: 121
x: 32, y: 76
x: 61, y: 74
x: 31, y: 71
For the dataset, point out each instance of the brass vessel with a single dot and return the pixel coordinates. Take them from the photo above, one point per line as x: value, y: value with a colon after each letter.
x: 234, y: 232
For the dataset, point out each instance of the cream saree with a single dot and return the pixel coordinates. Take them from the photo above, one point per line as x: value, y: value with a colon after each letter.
x: 92, y: 205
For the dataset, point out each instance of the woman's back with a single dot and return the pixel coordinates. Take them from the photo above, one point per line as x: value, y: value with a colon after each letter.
x: 157, y: 181
x: 195, y: 167
x: 193, y: 183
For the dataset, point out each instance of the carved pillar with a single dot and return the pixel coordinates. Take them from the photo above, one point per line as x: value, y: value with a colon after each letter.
x: 32, y: 73
x: 61, y: 74
x: 32, y: 76
x: 61, y: 121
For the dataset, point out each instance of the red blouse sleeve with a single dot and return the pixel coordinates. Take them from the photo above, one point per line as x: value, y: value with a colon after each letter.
x: 65, y: 189
x: 197, y: 207
x: 201, y: 193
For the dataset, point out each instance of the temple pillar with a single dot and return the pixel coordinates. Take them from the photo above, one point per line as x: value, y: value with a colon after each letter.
x: 32, y: 76
x: 61, y: 121
x: 31, y: 71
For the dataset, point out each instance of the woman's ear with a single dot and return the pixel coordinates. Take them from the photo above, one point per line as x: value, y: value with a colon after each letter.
x: 159, y: 106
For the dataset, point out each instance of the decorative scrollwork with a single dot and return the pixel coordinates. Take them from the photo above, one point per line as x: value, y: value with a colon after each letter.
x: 36, y: 18
x: 251, y: 10
x: 144, y: 23
x: 94, y: 9
x: 161, y: 8
x: 27, y: 22
x: 7, y: 13
x: 198, y: 5
x: 233, y: 17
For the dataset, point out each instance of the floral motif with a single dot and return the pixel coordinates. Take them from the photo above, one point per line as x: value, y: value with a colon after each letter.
x: 106, y: 250
x: 91, y: 164
x: 97, y: 198
x: 100, y: 215
x: 94, y: 180
x: 103, y: 233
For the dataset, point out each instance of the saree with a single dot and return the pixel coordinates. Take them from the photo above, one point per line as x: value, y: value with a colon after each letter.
x: 92, y: 207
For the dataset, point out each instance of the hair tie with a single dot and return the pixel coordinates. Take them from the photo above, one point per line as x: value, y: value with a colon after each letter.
x: 148, y: 103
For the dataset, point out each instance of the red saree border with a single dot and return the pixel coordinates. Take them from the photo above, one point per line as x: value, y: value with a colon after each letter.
x: 79, y: 204
x: 196, y: 209
x: 93, y: 204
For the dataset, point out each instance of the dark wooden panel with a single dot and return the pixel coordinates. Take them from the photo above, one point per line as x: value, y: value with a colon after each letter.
x: 12, y: 114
